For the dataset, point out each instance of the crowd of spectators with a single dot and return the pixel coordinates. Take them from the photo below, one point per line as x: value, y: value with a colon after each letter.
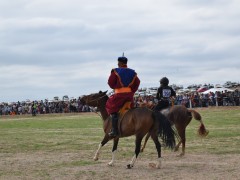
x: 209, y: 99
x: 195, y: 99
x: 43, y: 107
x: 190, y: 100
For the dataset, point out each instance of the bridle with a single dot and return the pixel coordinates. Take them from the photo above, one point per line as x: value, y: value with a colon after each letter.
x: 97, y: 99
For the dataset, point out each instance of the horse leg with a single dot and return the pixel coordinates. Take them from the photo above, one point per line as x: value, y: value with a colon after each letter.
x: 104, y: 141
x: 183, y: 140
x: 114, y: 149
x: 177, y: 146
x: 158, y: 147
x: 137, y: 150
x: 180, y: 140
x: 145, y: 142
x: 183, y: 146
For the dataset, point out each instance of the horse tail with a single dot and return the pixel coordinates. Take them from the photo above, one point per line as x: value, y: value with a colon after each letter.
x: 202, y: 130
x: 165, y: 130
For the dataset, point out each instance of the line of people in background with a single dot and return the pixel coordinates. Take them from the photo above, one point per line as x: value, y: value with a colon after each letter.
x: 43, y: 107
x: 188, y: 99
x: 210, y: 99
x: 191, y: 100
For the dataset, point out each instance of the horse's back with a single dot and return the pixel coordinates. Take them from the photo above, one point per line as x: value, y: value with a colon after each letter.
x: 136, y: 120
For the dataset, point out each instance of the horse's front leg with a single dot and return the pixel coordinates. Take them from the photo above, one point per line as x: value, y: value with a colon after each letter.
x: 104, y: 141
x: 114, y: 150
x: 137, y: 151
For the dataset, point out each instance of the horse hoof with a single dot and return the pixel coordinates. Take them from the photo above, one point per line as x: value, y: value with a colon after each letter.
x: 180, y: 155
x: 129, y: 166
x: 110, y: 164
x: 152, y: 165
x: 206, y: 133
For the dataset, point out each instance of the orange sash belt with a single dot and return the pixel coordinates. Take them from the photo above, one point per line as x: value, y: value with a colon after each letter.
x: 123, y: 90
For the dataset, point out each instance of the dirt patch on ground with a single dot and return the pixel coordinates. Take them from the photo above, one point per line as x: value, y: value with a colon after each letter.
x: 65, y: 166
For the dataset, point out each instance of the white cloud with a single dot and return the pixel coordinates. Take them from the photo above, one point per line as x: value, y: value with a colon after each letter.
x: 69, y: 47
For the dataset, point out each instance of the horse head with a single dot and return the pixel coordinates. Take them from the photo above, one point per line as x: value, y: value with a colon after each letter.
x: 93, y: 99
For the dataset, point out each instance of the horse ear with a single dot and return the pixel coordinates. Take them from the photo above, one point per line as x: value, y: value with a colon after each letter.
x: 100, y: 92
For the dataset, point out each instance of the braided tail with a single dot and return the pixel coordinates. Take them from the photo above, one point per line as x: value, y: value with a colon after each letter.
x: 202, y: 130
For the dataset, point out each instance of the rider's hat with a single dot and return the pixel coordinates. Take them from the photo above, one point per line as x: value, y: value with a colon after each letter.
x: 123, y: 59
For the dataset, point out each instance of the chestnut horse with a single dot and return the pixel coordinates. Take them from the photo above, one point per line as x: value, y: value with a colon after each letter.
x: 136, y: 121
x: 180, y: 116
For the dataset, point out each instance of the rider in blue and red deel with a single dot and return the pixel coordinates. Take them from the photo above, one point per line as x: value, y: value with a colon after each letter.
x: 125, y: 83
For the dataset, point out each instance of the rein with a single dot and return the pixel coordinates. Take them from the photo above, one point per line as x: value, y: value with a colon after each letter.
x: 97, y: 113
x: 97, y: 99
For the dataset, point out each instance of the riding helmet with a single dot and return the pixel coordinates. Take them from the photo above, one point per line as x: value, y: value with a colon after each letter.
x: 164, y: 81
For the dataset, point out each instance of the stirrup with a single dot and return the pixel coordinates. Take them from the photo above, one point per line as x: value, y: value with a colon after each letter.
x: 112, y: 134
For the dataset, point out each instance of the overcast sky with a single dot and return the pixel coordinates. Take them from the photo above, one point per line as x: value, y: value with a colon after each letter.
x: 68, y: 47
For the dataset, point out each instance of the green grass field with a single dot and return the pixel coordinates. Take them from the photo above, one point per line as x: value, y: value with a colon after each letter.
x: 80, y: 134
x: 80, y: 131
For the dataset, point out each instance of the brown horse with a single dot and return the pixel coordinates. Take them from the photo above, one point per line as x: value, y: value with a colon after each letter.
x: 136, y: 121
x: 180, y: 116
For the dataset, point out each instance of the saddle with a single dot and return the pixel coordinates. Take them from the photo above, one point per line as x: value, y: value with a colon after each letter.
x: 126, y: 107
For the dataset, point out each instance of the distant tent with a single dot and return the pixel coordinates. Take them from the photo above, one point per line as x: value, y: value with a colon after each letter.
x: 214, y: 90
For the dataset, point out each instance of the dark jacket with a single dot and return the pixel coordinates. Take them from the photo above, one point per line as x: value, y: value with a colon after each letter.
x: 165, y: 92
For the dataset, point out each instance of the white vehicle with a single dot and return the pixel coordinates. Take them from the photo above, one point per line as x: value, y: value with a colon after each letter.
x: 56, y: 99
x: 72, y: 98
x: 218, y: 86
x: 153, y: 92
x: 181, y: 91
x: 65, y: 98
x: 141, y: 93
x: 28, y: 101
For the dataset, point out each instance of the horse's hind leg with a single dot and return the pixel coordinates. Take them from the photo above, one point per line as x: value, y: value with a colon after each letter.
x: 137, y: 150
x: 182, y: 134
x: 104, y: 141
x: 158, y: 147
x: 145, y: 142
x: 183, y: 145
x: 177, y: 146
x: 115, y: 144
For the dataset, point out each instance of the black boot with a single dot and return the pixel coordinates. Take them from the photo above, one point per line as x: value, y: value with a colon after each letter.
x: 114, y: 131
